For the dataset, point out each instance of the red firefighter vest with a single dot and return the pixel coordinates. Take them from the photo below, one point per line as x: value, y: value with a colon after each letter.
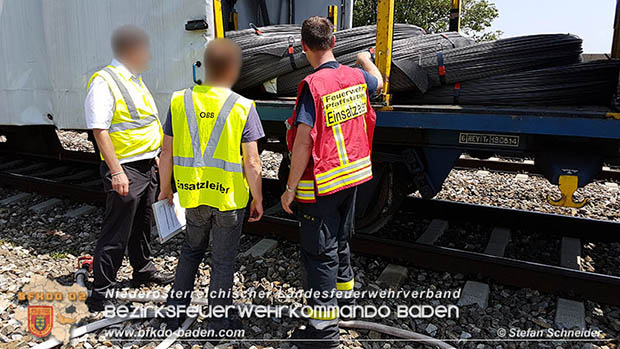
x: 342, y: 133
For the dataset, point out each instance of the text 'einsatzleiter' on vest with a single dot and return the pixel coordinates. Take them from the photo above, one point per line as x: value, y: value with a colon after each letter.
x: 207, y: 127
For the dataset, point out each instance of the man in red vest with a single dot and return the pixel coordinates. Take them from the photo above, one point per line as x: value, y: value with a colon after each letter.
x: 329, y: 138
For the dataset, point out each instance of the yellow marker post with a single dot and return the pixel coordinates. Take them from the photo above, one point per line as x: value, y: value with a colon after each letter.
x: 332, y: 14
x: 218, y: 18
x: 234, y: 19
x: 383, y: 59
x: 455, y: 16
x: 568, y: 185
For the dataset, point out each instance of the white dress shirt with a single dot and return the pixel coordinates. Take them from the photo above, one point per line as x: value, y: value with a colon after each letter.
x: 99, y: 106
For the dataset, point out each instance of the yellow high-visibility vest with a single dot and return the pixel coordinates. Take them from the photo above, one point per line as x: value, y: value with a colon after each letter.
x: 207, y: 126
x: 133, y: 130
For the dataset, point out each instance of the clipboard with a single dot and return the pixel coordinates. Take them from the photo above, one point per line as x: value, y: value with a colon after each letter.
x: 169, y: 219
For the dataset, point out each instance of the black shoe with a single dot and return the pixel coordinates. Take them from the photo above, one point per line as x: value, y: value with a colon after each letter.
x: 309, y: 338
x: 99, y: 304
x: 158, y: 277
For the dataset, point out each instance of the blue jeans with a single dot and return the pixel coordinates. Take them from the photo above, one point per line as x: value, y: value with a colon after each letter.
x: 206, y: 223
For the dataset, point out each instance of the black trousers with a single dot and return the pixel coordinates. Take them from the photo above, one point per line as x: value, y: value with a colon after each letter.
x: 326, y: 228
x: 126, y: 226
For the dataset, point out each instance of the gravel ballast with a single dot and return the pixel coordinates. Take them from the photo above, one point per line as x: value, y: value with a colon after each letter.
x: 49, y: 243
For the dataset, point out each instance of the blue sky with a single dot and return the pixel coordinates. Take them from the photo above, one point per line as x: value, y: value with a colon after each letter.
x: 592, y: 20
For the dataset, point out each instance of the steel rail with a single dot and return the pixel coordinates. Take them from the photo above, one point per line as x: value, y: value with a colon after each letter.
x: 500, y: 165
x: 546, y: 278
x: 45, y: 186
x: 588, y: 229
x: 584, y: 228
x: 507, y: 271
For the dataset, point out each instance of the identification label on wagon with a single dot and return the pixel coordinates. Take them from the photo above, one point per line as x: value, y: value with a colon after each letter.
x: 345, y: 104
x: 489, y: 139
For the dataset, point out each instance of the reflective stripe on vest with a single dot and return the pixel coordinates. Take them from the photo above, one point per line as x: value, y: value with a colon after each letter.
x: 342, y: 133
x: 132, y: 131
x: 207, y: 159
x: 346, y: 180
x: 342, y: 170
x: 342, y: 149
x: 305, y: 191
x: 208, y: 123
x: 131, y: 107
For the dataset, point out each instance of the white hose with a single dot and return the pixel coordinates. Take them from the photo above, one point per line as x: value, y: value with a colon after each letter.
x: 395, y: 332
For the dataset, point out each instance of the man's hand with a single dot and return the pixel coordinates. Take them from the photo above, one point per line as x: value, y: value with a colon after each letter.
x: 166, y: 193
x: 365, y: 61
x: 256, y: 211
x: 287, y: 199
x: 120, y: 184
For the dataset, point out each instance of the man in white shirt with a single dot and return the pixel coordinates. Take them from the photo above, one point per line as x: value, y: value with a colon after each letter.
x: 123, y: 116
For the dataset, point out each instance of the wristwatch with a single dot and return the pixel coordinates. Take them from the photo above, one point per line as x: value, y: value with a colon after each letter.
x: 289, y: 189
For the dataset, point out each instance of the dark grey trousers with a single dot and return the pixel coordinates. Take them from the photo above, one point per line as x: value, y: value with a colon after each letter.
x: 206, y: 223
x: 126, y: 226
x: 326, y: 228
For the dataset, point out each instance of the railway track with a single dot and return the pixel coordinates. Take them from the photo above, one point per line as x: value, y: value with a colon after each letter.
x: 79, y: 180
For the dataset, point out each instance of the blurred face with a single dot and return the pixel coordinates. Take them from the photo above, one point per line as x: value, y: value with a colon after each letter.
x: 235, y: 73
x: 138, y: 58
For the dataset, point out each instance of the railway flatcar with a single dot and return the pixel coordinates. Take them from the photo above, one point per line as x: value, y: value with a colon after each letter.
x: 416, y: 146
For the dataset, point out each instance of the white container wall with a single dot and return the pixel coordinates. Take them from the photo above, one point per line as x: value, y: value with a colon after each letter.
x: 50, y: 48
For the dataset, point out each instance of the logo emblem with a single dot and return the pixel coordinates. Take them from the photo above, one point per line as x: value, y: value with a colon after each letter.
x: 40, y: 319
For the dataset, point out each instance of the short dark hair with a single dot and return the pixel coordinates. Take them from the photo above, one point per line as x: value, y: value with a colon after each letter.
x: 221, y: 56
x: 127, y: 37
x: 317, y: 33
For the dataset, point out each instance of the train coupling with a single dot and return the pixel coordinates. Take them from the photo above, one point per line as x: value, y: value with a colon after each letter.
x: 568, y: 185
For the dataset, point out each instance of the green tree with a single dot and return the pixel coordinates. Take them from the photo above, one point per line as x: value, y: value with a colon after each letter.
x: 433, y: 16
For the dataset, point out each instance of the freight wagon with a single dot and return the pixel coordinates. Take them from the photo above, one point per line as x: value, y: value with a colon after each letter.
x: 50, y: 49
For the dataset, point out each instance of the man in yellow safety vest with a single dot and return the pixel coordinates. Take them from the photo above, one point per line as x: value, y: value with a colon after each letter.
x: 122, y: 114
x: 210, y: 142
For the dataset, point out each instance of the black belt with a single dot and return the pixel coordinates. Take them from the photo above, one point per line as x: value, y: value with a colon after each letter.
x: 141, y: 165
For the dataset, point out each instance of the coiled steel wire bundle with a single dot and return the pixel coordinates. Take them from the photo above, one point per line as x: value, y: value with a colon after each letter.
x: 591, y: 83
x: 283, y: 54
x: 409, y: 51
x: 444, y: 68
x: 498, y: 57
x: 402, y: 49
x: 258, y: 37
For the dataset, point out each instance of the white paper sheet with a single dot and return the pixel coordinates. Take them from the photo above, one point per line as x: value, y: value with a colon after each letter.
x: 169, y: 219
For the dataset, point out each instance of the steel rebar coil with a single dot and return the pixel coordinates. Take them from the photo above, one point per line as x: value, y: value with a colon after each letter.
x: 591, y: 83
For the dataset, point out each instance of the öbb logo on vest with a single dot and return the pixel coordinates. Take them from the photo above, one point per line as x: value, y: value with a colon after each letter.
x: 209, y: 115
